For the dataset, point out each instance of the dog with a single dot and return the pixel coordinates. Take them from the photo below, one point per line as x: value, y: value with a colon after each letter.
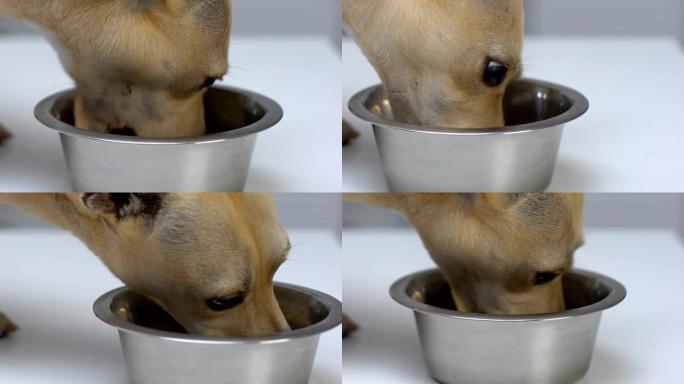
x: 208, y: 259
x: 443, y: 63
x: 499, y: 253
x: 141, y: 67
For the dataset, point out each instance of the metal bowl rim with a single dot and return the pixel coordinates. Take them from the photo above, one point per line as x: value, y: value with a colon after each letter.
x: 101, y: 308
x: 616, y: 295
x: 272, y: 116
x: 580, y: 105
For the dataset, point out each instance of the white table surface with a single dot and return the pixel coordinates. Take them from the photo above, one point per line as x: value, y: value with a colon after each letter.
x: 301, y: 154
x: 49, y: 280
x: 639, y: 341
x: 629, y: 141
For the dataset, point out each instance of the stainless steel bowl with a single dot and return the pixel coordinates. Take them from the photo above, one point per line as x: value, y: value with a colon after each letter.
x: 218, y: 161
x: 156, y: 351
x: 474, y: 348
x: 520, y: 157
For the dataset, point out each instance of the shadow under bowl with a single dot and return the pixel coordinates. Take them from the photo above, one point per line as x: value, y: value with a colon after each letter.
x: 519, y: 157
x: 217, y: 161
x: 157, y: 350
x: 475, y: 348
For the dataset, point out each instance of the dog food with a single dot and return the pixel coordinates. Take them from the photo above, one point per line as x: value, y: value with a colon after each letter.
x: 4, y: 134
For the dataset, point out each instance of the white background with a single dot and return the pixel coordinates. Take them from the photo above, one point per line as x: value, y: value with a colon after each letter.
x: 615, y: 17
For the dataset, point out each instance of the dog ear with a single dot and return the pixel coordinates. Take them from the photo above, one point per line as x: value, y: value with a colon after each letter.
x: 123, y: 205
x: 105, y: 203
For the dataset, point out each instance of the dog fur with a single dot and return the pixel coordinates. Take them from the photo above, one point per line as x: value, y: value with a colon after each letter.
x: 181, y: 250
x: 431, y: 56
x: 140, y: 66
x: 491, y: 248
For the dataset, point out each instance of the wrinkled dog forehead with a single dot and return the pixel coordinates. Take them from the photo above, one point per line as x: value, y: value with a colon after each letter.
x: 195, y: 223
x: 221, y: 223
x: 556, y: 212
x: 447, y: 30
x: 185, y: 31
x: 544, y: 210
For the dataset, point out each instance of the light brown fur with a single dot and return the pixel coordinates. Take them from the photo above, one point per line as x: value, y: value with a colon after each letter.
x: 182, y: 251
x: 137, y: 64
x: 491, y: 246
x: 431, y: 55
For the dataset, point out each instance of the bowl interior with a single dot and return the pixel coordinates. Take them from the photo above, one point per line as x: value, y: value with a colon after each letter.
x: 300, y: 309
x: 525, y: 102
x: 579, y: 291
x: 224, y: 110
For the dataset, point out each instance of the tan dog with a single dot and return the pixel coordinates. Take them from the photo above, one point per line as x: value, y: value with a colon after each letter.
x: 443, y: 63
x: 500, y: 253
x: 140, y: 66
x: 208, y: 259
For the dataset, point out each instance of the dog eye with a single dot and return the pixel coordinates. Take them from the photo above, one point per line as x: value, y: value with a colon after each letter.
x: 544, y: 277
x: 221, y: 303
x: 494, y: 73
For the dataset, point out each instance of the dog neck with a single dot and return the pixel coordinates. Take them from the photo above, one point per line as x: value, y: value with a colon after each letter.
x: 64, y: 210
x: 35, y: 11
x: 55, y: 208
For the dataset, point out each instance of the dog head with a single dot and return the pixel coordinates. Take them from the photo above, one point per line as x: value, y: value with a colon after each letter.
x: 208, y: 259
x: 443, y: 63
x: 140, y: 66
x: 500, y: 253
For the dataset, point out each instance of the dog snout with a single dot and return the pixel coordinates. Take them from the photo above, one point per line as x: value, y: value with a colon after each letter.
x: 496, y: 300
x: 280, y: 322
x: 549, y: 300
x: 274, y: 316
x: 125, y: 131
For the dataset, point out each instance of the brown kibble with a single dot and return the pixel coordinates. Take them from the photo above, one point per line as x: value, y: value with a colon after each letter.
x: 348, y: 326
x: 348, y: 133
x: 6, y: 326
x: 4, y: 134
